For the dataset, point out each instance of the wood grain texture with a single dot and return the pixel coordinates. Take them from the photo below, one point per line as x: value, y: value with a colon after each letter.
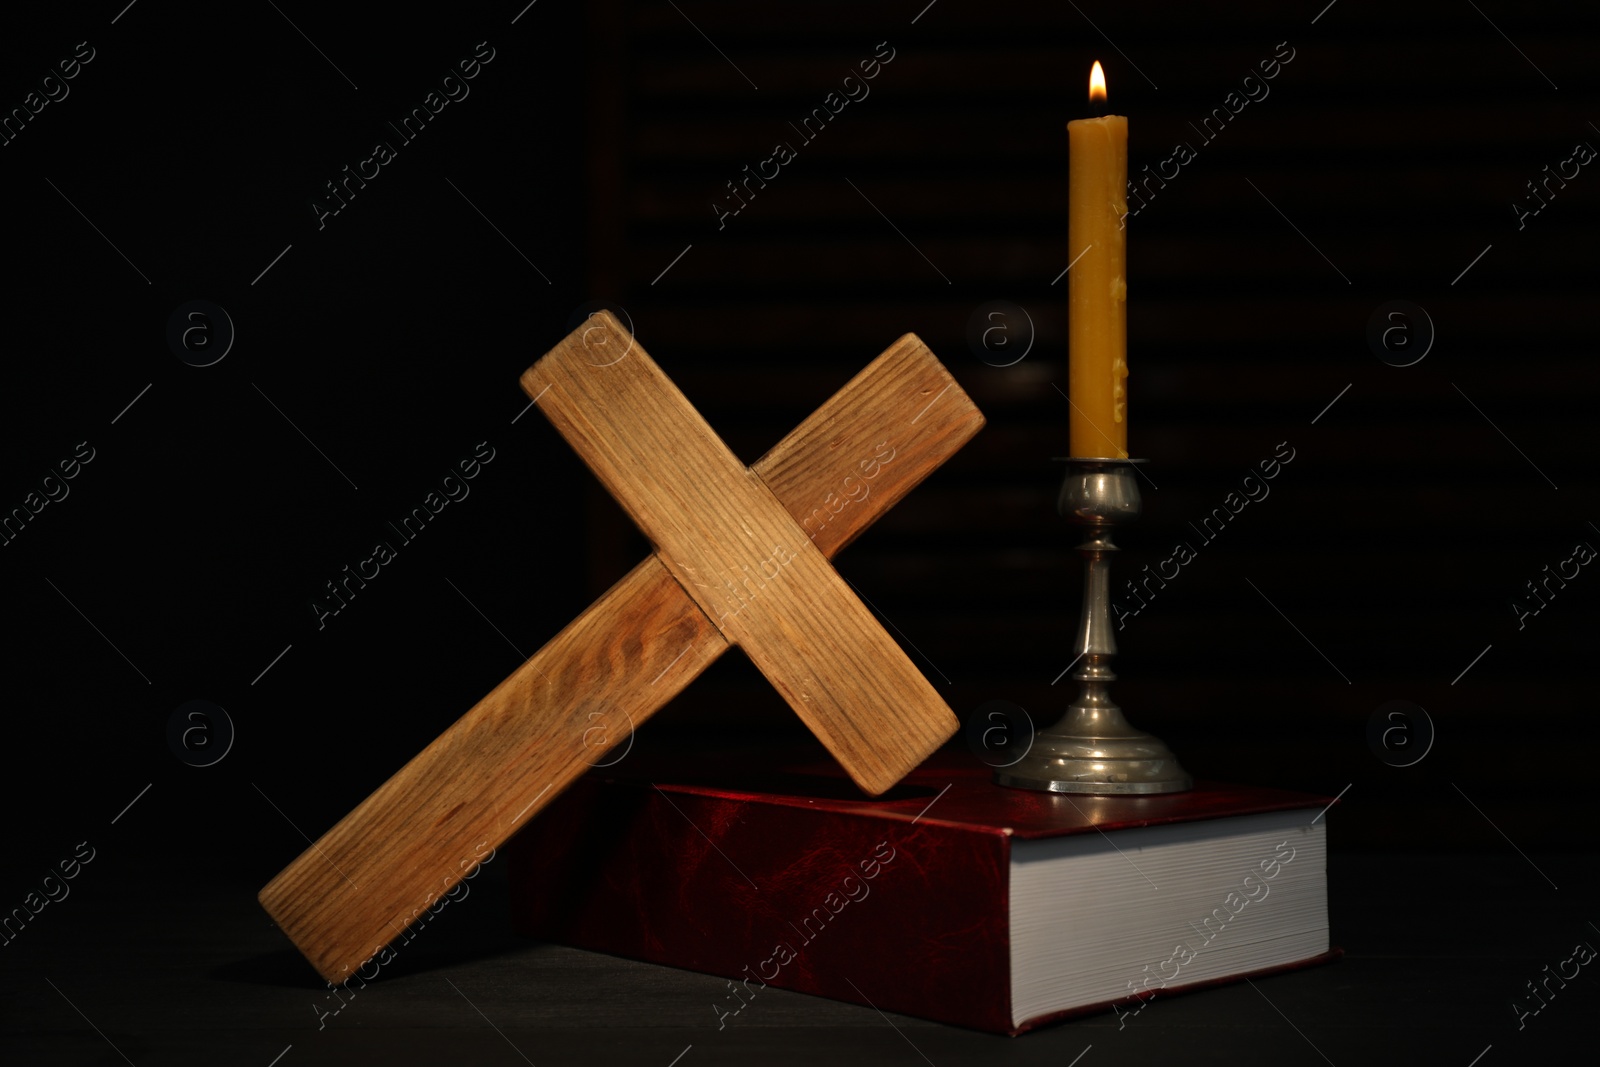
x: 834, y: 460
x: 419, y: 833
x: 735, y: 549
x: 375, y: 872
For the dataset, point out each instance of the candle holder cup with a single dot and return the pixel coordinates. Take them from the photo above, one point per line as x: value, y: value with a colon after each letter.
x: 1093, y: 748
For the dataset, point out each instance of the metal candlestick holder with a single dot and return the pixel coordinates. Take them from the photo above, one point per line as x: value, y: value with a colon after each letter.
x: 1093, y: 748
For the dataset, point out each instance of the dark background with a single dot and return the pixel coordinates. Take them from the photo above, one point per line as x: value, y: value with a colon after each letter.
x: 382, y: 348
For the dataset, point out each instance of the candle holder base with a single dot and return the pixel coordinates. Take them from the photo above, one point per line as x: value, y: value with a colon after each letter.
x: 1093, y: 748
x: 1082, y: 755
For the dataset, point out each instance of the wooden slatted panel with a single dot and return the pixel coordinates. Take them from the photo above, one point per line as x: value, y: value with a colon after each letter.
x: 1395, y: 140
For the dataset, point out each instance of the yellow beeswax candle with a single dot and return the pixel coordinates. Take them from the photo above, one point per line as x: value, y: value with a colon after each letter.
x: 1097, y: 287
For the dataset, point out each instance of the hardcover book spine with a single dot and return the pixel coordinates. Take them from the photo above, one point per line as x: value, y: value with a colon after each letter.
x: 910, y: 917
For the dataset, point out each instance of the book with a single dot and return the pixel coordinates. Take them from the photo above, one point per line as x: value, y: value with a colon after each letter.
x: 948, y: 898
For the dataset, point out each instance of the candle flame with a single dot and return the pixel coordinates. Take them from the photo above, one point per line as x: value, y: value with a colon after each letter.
x: 1097, y: 84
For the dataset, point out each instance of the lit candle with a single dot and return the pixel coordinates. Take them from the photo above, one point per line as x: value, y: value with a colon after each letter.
x: 1097, y: 287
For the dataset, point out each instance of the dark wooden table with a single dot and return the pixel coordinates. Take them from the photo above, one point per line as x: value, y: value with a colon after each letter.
x: 150, y: 963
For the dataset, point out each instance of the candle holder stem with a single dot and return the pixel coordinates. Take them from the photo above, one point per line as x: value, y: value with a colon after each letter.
x: 1093, y: 748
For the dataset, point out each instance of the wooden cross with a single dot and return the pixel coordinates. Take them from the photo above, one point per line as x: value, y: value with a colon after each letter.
x: 741, y: 558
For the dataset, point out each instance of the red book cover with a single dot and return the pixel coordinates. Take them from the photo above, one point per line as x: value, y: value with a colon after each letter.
x: 791, y: 877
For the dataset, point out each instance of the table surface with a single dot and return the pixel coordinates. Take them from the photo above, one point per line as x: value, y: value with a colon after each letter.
x: 151, y: 963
